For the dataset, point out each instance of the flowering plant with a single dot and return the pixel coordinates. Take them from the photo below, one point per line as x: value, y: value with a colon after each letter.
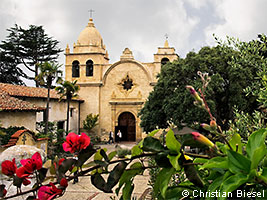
x: 225, y: 165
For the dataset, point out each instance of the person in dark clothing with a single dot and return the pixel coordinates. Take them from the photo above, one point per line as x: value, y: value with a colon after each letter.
x: 111, y: 137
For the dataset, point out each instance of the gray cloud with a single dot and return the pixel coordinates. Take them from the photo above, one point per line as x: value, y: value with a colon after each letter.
x: 139, y: 24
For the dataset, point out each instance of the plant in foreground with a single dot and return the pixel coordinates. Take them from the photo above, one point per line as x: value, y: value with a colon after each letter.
x: 225, y: 164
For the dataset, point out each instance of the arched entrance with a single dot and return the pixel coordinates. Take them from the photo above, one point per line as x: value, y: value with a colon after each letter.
x: 126, y: 124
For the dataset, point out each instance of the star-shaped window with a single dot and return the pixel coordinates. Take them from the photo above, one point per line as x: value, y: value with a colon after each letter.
x: 127, y: 83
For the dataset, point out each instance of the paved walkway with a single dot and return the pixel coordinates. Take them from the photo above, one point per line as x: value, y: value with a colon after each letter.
x: 84, y: 190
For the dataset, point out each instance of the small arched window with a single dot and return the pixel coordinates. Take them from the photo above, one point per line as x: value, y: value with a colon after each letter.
x: 75, y: 68
x: 164, y: 61
x: 89, y: 68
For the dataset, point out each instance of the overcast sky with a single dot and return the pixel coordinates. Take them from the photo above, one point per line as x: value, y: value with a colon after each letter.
x: 140, y: 24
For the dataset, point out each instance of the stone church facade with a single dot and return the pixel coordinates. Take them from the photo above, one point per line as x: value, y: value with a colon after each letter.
x: 115, y: 91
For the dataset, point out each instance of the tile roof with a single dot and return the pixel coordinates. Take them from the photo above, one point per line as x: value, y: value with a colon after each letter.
x: 14, y: 138
x: 25, y: 91
x: 8, y: 103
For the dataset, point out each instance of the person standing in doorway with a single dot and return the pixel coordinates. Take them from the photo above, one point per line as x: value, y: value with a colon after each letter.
x: 111, y: 137
x: 119, y: 134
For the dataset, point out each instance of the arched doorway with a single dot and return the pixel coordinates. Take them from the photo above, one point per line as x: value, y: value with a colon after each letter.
x: 126, y: 124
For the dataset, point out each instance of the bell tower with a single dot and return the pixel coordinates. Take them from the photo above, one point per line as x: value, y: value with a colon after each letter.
x: 165, y: 54
x: 85, y: 63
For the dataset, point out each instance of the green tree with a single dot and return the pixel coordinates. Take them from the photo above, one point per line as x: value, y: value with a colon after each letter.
x: 9, y: 72
x: 90, y: 121
x: 30, y: 47
x: 69, y: 90
x: 48, y: 73
x: 169, y: 102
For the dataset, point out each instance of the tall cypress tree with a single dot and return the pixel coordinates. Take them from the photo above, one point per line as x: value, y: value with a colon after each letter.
x: 30, y: 47
x: 9, y: 72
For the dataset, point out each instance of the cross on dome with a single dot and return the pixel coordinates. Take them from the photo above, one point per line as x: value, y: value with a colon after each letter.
x: 91, y: 12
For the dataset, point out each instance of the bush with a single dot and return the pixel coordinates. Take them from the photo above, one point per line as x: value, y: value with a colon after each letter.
x: 90, y: 122
x: 8, y: 132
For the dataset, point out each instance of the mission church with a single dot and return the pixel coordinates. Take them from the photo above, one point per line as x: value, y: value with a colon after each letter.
x: 115, y: 91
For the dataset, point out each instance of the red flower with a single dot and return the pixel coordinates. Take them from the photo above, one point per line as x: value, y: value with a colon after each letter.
x: 26, y: 182
x: 9, y: 167
x: 22, y: 172
x: 64, y: 182
x: 75, y: 143
x: 49, y: 192
x: 33, y: 163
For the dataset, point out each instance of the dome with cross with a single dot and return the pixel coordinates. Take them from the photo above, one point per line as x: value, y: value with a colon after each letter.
x: 90, y: 39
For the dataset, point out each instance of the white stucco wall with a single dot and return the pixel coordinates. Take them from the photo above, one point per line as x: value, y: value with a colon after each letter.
x: 26, y: 119
x: 58, y: 111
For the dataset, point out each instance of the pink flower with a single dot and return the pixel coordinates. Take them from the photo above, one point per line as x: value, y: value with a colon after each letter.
x: 195, y: 94
x: 49, y: 192
x: 75, y: 143
x: 202, y: 139
x: 9, y: 167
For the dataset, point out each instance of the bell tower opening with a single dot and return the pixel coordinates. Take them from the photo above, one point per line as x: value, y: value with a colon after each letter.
x: 89, y: 68
x: 75, y: 68
x: 164, y: 61
x: 127, y: 126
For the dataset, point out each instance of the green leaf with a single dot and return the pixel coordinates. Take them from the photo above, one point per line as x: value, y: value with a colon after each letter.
x: 136, y: 165
x: 238, y: 163
x: 74, y: 169
x: 103, y: 153
x: 263, y: 175
x: 98, y: 155
x: 213, y: 187
x: 162, y: 160
x: 176, y: 193
x: 127, y: 190
x: 42, y: 174
x: 2, y: 187
x: 216, y: 162
x: 172, y: 143
x: 66, y: 165
x: 200, y: 160
x: 174, y: 161
x: 192, y: 175
x: 232, y: 183
x: 115, y: 175
x: 90, y: 164
x: 136, y: 150
x: 98, y: 181
x: 153, y: 133
x: 17, y: 181
x: 152, y: 144
x: 52, y: 169
x: 84, y: 155
x: 127, y: 176
x: 258, y: 154
x: 112, y: 154
x: 256, y: 148
x: 236, y: 142
x: 163, y: 180
x: 255, y: 140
